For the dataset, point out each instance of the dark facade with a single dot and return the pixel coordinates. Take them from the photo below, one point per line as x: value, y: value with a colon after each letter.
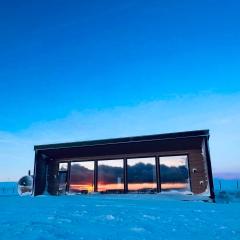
x: 178, y: 162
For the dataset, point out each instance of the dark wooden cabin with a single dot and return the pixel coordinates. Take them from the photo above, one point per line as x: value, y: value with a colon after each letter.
x: 173, y: 162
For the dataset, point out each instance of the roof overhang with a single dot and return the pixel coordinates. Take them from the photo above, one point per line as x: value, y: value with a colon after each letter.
x: 128, y: 145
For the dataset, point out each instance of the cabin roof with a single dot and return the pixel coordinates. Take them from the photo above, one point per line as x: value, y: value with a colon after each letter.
x: 164, y: 136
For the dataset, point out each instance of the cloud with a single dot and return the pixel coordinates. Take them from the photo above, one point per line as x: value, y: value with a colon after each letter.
x: 219, y: 113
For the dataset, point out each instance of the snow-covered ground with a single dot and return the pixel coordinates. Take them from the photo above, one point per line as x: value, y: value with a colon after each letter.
x: 112, y: 217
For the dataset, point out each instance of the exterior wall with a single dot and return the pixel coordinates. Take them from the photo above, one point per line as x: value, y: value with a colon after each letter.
x: 39, y: 175
x: 198, y: 172
x: 197, y: 168
x: 52, y: 178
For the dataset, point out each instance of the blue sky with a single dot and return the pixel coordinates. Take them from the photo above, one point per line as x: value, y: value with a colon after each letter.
x: 74, y: 70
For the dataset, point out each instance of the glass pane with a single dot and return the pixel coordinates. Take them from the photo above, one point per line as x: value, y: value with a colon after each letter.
x: 174, y: 173
x: 63, y: 167
x: 141, y: 174
x: 62, y: 178
x: 110, y: 176
x: 82, y: 177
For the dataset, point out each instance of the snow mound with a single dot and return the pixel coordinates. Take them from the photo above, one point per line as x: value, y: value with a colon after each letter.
x: 116, y: 217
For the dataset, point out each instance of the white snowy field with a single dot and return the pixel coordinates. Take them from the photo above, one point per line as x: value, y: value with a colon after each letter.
x: 116, y: 217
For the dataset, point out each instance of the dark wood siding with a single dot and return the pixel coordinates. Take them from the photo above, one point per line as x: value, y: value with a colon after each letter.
x: 52, y: 177
x: 40, y: 175
x: 199, y: 178
x: 125, y: 148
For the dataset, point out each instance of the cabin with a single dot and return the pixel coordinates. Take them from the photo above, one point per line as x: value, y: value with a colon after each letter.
x: 162, y: 163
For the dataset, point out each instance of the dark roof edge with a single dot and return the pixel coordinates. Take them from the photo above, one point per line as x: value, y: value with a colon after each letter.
x: 187, y: 134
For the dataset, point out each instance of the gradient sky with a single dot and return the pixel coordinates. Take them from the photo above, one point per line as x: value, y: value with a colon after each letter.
x: 77, y: 70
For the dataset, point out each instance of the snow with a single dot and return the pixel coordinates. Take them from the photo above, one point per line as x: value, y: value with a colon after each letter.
x: 130, y: 217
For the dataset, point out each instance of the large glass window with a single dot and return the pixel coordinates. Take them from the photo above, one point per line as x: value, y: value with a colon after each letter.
x: 174, y: 173
x: 141, y: 174
x: 110, y: 175
x: 82, y: 177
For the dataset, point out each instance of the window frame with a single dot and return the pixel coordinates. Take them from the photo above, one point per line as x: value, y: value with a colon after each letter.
x: 125, y: 158
x: 188, y: 168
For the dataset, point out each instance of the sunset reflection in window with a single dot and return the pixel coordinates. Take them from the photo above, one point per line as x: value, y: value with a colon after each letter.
x: 110, y: 175
x: 174, y: 173
x: 82, y: 177
x: 141, y: 174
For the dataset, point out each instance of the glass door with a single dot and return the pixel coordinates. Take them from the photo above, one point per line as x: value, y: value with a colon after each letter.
x: 62, y: 178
